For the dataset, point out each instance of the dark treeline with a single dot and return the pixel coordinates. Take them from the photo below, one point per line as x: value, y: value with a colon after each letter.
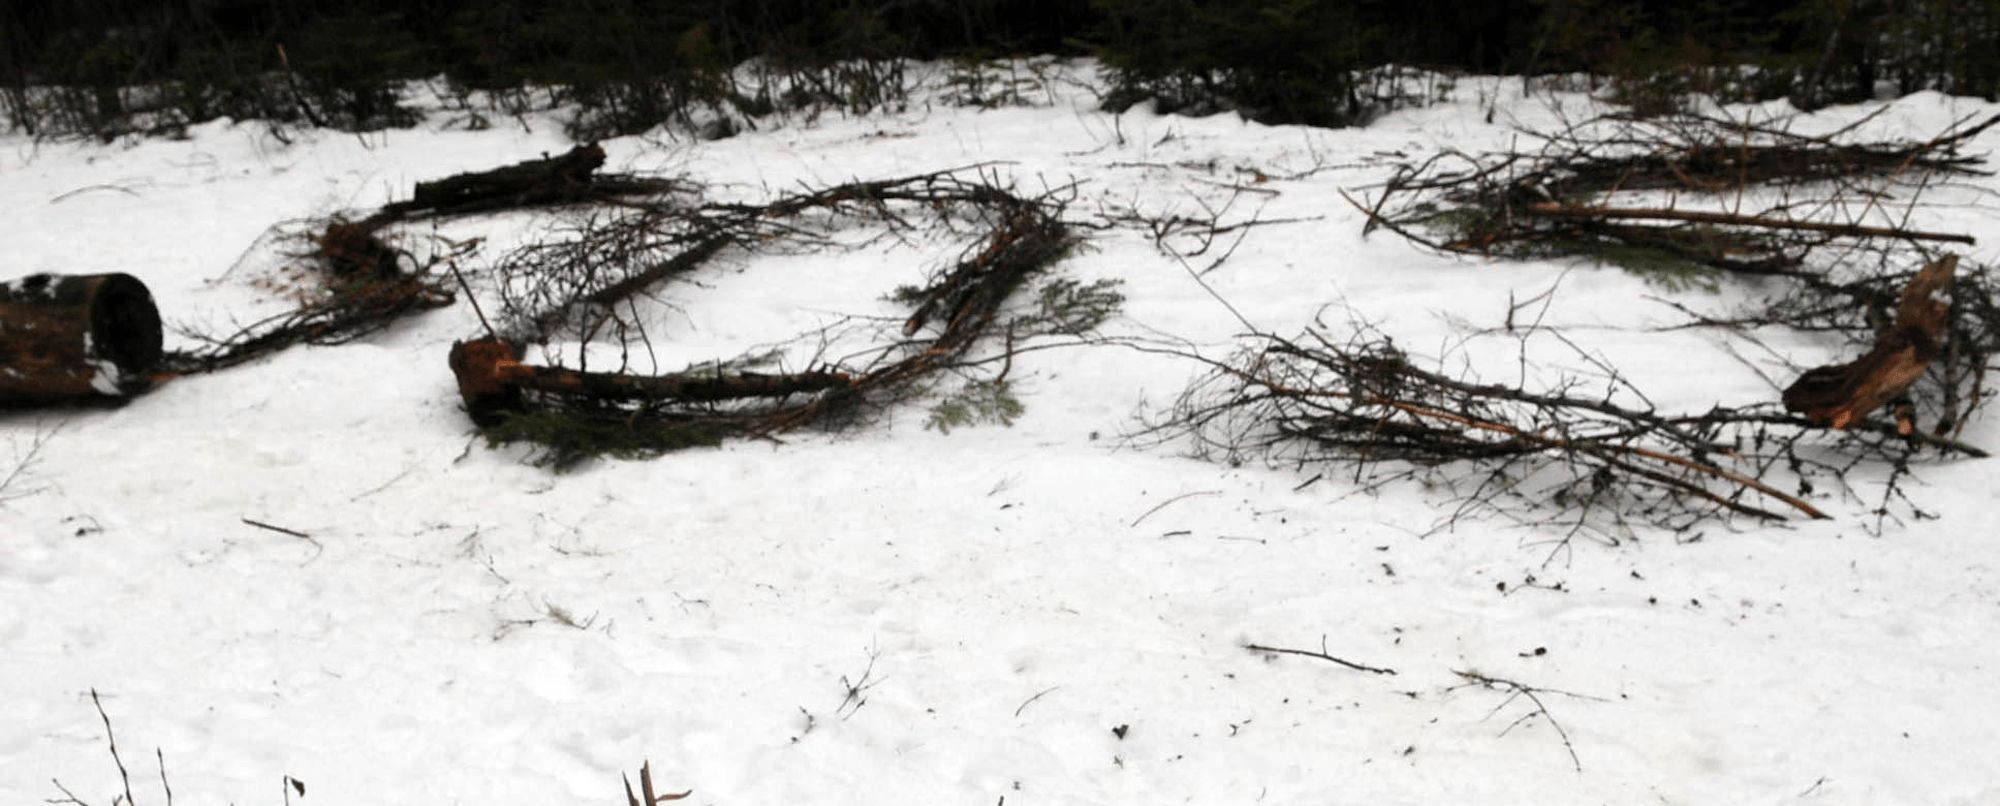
x: 108, y: 67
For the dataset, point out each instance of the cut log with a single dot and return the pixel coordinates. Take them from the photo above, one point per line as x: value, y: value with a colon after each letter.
x: 64, y: 337
x: 1842, y: 394
x: 541, y: 181
x: 487, y: 395
x: 491, y: 378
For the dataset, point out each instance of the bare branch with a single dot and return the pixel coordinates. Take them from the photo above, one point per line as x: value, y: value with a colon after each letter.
x: 1321, y: 654
x: 1767, y: 222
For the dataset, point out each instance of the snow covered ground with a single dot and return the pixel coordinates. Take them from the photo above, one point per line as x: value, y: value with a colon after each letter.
x: 1034, y: 614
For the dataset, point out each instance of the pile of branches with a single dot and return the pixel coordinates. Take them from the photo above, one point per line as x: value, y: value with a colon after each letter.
x: 363, y: 284
x: 1593, y: 454
x: 583, y: 289
x: 1591, y: 457
x: 1612, y: 188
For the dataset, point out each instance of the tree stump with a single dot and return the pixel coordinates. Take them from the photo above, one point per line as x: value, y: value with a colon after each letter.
x: 65, y: 337
x: 1842, y: 394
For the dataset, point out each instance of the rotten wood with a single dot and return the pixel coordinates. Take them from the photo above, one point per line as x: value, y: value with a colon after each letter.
x: 1839, y: 396
x: 76, y: 336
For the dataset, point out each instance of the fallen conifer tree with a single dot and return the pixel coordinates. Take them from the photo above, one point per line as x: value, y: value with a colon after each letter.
x: 580, y: 287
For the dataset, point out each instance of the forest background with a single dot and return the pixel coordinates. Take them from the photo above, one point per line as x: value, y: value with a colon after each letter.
x: 111, y: 68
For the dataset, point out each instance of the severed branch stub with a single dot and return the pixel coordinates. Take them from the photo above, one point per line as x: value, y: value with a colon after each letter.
x: 1839, y: 396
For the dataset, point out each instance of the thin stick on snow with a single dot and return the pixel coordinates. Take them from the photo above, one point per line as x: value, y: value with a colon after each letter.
x: 1532, y: 693
x: 1031, y: 700
x: 279, y: 529
x: 1163, y: 504
x: 113, y: 742
x: 1321, y: 654
x: 1707, y: 217
x: 319, y: 547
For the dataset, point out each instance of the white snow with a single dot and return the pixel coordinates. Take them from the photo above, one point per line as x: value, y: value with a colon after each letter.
x: 1040, y: 614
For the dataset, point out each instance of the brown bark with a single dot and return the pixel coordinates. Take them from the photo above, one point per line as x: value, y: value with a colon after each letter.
x: 1841, y: 395
x: 525, y: 183
x: 76, y: 336
x: 491, y: 378
x: 1709, y: 217
x: 480, y: 385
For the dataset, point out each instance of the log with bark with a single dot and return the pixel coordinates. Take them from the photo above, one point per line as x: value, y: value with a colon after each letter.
x: 491, y: 379
x: 1841, y: 395
x: 76, y: 336
x: 1713, y: 217
x: 553, y: 179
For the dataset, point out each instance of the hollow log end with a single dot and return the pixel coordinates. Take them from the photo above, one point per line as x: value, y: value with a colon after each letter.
x: 75, y: 336
x: 125, y: 325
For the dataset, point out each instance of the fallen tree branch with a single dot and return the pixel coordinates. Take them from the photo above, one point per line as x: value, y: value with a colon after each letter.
x: 586, y: 289
x: 1533, y: 695
x: 1767, y: 222
x: 1604, y: 451
x: 1574, y: 451
x: 1321, y: 654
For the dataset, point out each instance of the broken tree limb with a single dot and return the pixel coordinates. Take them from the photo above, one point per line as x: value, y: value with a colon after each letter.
x: 76, y: 336
x: 1841, y: 395
x: 584, y: 285
x: 1709, y: 217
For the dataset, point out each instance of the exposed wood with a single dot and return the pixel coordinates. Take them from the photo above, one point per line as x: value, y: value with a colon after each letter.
x: 1841, y: 395
x: 477, y: 365
x: 1710, y: 217
x: 76, y: 336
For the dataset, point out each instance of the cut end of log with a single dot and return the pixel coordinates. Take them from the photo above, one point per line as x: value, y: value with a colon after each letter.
x: 487, y: 371
x: 125, y: 324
